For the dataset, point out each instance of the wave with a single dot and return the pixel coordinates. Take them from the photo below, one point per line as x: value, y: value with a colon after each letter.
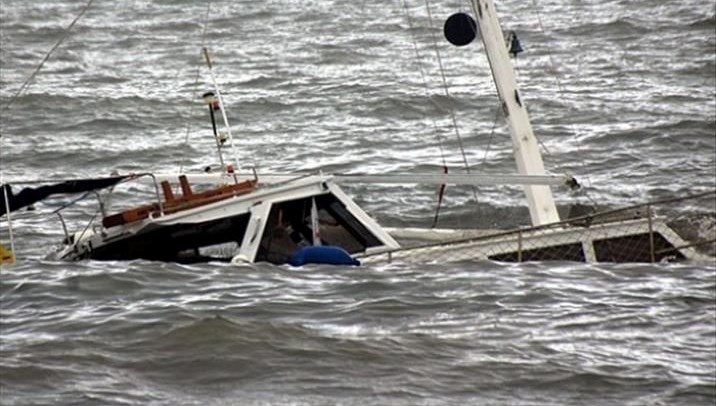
x: 619, y: 26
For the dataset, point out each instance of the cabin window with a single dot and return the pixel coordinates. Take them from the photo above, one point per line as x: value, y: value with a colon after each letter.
x: 288, y: 228
x: 634, y: 248
x: 214, y: 240
x: 564, y: 252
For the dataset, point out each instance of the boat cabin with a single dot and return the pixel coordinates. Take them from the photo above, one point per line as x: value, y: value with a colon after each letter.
x: 238, y: 222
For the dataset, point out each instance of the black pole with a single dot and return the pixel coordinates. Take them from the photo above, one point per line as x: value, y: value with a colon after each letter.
x: 213, y: 122
x: 216, y: 136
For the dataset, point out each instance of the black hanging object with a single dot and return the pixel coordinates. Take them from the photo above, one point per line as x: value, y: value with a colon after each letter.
x: 515, y: 45
x: 460, y: 29
x: 30, y: 195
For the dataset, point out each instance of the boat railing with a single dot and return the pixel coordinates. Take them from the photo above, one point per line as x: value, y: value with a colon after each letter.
x: 102, y: 210
x: 637, y: 233
x: 133, y: 177
x: 169, y: 203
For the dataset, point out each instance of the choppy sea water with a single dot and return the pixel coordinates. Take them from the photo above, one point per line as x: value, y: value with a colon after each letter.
x: 621, y: 94
x: 473, y: 333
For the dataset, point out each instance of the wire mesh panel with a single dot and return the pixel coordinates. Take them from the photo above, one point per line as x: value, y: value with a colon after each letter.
x: 632, y: 234
x: 563, y: 252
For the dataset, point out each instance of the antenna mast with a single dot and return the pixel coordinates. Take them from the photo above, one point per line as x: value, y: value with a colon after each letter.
x: 223, y: 112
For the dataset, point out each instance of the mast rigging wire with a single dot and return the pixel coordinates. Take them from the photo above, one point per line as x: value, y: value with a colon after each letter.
x: 28, y: 81
x: 553, y: 66
x: 23, y: 88
x: 562, y: 92
x: 441, y: 192
x: 421, y: 69
x: 445, y: 88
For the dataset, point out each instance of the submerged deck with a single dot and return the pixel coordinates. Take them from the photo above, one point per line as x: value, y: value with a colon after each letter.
x: 632, y: 234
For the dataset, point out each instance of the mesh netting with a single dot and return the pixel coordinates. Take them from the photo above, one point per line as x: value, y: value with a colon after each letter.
x: 667, y: 230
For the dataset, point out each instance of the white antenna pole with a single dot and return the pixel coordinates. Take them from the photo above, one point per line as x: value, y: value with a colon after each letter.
x: 9, y: 221
x: 524, y: 143
x: 223, y: 110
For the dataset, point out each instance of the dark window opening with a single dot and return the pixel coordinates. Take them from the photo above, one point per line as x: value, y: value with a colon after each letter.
x: 634, y: 248
x: 288, y: 228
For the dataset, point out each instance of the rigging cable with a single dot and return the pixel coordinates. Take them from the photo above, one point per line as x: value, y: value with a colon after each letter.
x: 421, y: 69
x: 445, y: 88
x: 21, y: 91
x: 27, y: 82
x: 447, y: 94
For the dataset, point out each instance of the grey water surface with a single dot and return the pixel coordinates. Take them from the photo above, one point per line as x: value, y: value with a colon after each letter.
x: 621, y: 94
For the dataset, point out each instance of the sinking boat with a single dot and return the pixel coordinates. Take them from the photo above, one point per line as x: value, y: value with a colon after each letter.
x: 280, y: 222
x: 308, y: 218
x: 269, y: 223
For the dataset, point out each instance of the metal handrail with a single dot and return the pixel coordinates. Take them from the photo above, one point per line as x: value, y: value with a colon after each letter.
x: 156, y: 189
x: 587, y: 219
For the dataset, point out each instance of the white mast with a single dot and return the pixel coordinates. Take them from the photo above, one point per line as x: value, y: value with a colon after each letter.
x: 526, y: 150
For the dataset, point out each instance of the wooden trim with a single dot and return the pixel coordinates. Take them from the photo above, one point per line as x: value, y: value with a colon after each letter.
x: 188, y: 200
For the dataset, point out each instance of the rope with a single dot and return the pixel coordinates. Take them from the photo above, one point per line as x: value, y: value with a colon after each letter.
x: 27, y: 82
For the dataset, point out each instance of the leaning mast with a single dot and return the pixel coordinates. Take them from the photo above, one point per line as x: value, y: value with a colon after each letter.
x: 524, y: 143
